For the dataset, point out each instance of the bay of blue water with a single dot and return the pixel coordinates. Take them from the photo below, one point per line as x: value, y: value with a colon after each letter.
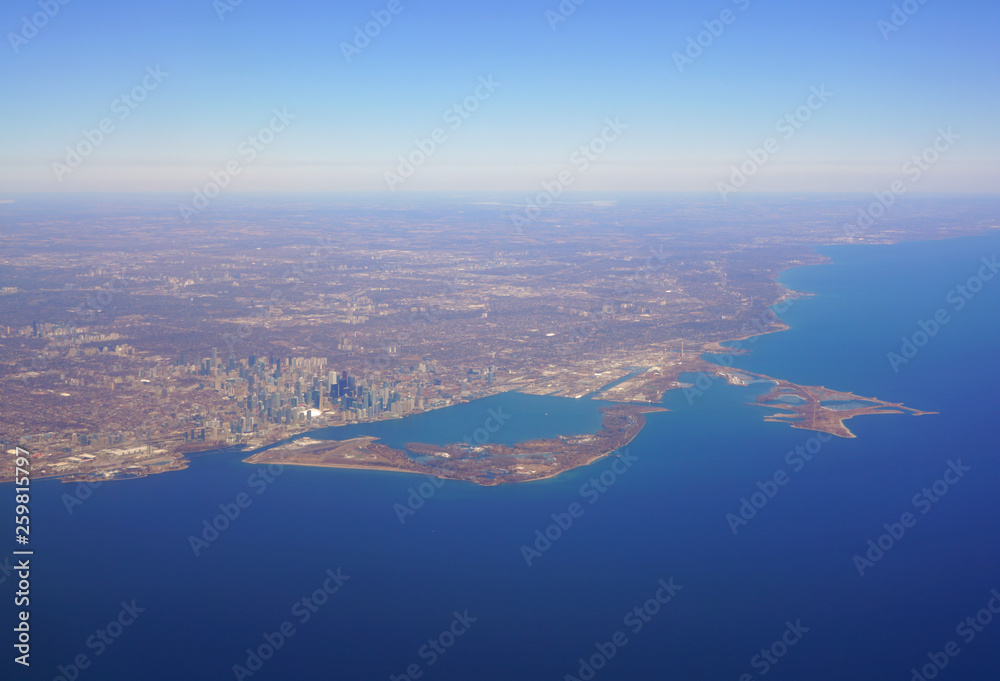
x: 664, y: 517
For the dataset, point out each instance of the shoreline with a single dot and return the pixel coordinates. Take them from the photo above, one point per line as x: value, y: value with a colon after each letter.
x: 486, y: 465
x: 705, y: 353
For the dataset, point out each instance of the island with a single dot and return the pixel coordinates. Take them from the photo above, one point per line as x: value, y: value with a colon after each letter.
x: 126, y: 349
x: 486, y: 464
x: 806, y: 407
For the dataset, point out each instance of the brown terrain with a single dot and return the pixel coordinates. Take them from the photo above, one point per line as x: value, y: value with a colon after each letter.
x: 486, y: 464
x: 128, y: 338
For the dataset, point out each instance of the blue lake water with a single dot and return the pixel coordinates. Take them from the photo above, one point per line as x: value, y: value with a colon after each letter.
x: 663, y: 517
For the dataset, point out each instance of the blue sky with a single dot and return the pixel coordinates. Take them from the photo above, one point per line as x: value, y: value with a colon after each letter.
x: 556, y: 87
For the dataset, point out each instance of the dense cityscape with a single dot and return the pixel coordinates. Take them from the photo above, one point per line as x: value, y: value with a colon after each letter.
x: 131, y: 342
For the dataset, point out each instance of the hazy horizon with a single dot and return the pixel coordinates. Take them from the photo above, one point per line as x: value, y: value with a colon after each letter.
x: 498, y: 98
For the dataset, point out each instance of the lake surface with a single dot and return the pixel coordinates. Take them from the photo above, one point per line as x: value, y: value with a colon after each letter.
x: 662, y: 517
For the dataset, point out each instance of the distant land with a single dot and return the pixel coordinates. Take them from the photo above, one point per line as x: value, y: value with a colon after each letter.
x: 132, y: 339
